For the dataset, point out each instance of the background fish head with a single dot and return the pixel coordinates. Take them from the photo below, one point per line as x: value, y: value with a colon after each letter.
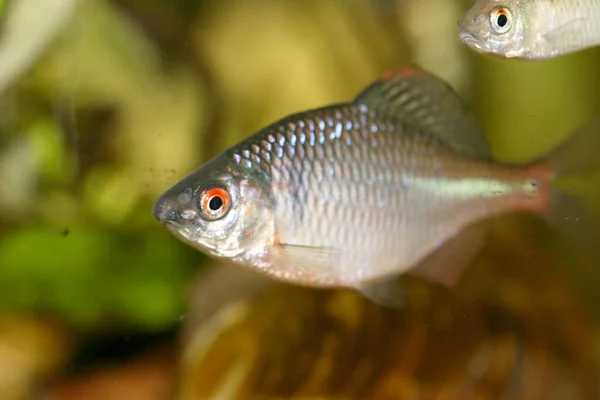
x: 221, y: 209
x: 496, y: 27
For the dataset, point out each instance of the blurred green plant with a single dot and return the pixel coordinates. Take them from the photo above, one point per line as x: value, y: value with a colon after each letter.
x: 3, y: 6
x: 89, y: 275
x: 76, y: 184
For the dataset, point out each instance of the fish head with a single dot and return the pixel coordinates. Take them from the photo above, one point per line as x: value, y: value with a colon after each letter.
x: 495, y: 27
x: 221, y: 209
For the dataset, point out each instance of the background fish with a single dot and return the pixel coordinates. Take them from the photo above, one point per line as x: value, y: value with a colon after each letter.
x: 352, y: 194
x: 531, y: 30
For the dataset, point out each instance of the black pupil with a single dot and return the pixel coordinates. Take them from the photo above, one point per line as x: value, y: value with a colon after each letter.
x: 502, y: 20
x: 215, y: 203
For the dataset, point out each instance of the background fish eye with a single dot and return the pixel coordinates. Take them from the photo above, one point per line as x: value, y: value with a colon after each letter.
x: 501, y: 19
x: 214, y: 203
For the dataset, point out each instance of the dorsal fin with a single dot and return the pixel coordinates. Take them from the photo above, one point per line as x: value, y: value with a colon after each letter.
x: 423, y: 100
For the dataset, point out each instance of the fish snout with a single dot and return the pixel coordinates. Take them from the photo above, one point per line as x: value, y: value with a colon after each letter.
x: 472, y: 29
x: 466, y: 36
x: 166, y: 210
x: 469, y: 39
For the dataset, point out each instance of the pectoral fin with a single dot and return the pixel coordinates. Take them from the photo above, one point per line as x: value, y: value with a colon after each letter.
x: 447, y: 263
x: 311, y: 261
x: 569, y: 32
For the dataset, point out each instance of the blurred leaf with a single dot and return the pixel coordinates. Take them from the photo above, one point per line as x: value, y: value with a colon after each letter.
x: 47, y: 141
x: 4, y: 6
x: 18, y: 178
x: 110, y: 194
x: 27, y: 30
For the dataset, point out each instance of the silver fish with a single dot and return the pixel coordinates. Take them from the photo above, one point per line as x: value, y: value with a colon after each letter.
x: 351, y: 195
x: 531, y: 29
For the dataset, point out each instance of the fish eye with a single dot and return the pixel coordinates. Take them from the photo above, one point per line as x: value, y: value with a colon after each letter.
x: 214, y: 203
x: 501, y: 19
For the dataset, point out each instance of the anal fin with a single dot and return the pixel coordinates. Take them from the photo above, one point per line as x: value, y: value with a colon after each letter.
x: 446, y: 264
x: 387, y: 293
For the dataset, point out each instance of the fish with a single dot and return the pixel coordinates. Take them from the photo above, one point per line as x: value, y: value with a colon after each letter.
x: 353, y: 195
x: 531, y: 30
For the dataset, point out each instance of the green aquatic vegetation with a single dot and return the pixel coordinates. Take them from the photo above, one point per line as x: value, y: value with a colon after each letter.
x: 91, y: 275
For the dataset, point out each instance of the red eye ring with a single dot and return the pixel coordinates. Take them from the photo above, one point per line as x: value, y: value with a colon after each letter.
x: 215, y: 202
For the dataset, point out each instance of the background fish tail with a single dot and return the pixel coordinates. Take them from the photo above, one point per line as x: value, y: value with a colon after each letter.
x: 574, y: 206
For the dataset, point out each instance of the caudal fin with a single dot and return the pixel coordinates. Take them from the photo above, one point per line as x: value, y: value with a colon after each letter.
x: 575, y: 191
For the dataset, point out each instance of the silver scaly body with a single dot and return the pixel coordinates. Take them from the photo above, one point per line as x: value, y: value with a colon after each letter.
x: 379, y: 191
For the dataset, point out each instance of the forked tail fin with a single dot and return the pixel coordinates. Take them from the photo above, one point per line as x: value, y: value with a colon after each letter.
x: 575, y: 190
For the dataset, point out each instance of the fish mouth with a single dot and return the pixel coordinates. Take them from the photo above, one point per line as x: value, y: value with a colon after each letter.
x: 174, y: 228
x: 184, y: 235
x: 170, y: 225
x: 469, y: 40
